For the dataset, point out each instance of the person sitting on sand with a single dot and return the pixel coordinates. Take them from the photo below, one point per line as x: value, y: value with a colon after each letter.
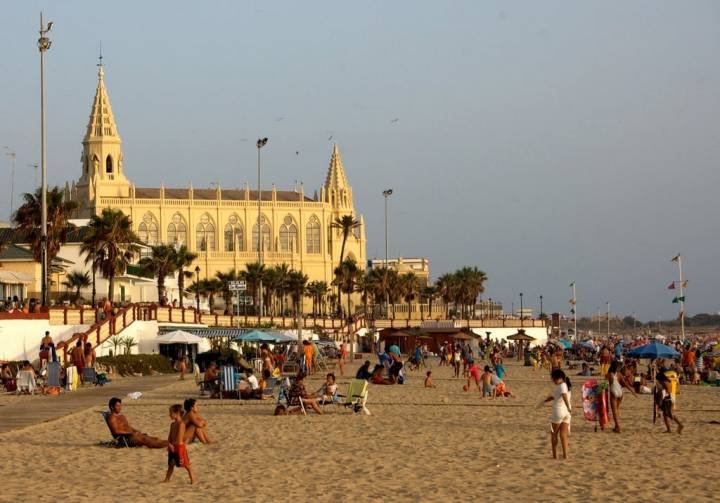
x: 585, y: 372
x: 328, y: 391
x: 297, y: 390
x: 249, y: 387
x: 428, y: 380
x: 120, y: 427
x: 195, y: 424
x: 364, y: 371
x: 377, y: 376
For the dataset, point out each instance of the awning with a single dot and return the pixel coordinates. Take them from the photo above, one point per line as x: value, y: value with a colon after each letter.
x: 15, y: 278
x: 220, y: 332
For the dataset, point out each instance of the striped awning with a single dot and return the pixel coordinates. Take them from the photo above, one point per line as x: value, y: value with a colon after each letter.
x: 220, y: 332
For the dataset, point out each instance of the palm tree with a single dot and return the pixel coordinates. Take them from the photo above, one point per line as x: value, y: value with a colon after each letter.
x: 254, y: 274
x: 297, y: 283
x: 281, y: 281
x: 77, y: 280
x: 347, y: 224
x: 111, y: 244
x: 409, y: 287
x: 364, y: 286
x: 345, y: 276
x: 446, y: 287
x: 28, y: 221
x: 225, y: 278
x: 183, y: 259
x: 207, y: 288
x: 430, y: 292
x: 161, y: 263
x: 383, y: 281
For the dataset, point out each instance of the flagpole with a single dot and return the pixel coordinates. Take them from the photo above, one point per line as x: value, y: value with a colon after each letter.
x: 682, y: 300
x: 575, y: 312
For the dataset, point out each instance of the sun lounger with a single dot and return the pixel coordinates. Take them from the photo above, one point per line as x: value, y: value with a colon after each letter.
x: 228, y: 384
x: 25, y: 382
x: 357, y: 396
x: 117, y: 440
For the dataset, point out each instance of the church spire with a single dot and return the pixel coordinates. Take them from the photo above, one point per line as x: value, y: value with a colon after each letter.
x: 336, y: 173
x: 101, y: 124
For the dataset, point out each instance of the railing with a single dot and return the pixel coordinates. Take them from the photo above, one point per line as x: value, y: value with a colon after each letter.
x: 462, y: 323
x: 100, y: 331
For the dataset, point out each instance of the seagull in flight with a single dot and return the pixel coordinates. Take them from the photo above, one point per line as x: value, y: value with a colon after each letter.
x: 394, y: 120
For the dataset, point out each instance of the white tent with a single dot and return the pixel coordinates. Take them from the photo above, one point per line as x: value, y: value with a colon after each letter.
x: 178, y: 337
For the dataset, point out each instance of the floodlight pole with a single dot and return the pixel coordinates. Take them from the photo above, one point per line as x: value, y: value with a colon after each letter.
x: 44, y: 44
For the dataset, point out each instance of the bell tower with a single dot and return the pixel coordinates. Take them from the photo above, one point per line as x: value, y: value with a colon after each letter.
x: 102, y: 155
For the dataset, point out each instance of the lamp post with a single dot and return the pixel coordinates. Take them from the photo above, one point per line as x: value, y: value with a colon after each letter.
x: 44, y: 44
x: 386, y: 194
x: 521, y: 309
x: 11, y: 155
x: 541, y: 308
x: 608, y: 318
x: 197, y: 289
x: 260, y: 144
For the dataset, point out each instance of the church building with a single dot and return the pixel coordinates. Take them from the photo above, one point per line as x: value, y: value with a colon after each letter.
x: 220, y: 225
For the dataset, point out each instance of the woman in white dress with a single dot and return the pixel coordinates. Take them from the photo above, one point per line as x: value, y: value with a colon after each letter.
x: 560, y: 417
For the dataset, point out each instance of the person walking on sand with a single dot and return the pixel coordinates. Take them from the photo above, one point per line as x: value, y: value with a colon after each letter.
x: 616, y: 383
x: 177, y: 451
x: 560, y: 417
x: 667, y: 403
x: 456, y: 360
x: 182, y: 367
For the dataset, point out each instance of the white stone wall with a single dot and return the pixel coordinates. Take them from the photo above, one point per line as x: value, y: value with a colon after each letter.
x: 20, y: 339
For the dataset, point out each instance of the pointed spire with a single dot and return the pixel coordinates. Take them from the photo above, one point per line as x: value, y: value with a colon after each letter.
x: 102, y: 122
x: 336, y: 173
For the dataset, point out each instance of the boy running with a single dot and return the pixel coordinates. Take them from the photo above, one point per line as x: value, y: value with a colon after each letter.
x: 177, y: 452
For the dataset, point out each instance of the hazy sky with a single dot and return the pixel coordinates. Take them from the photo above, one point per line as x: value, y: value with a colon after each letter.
x: 544, y: 142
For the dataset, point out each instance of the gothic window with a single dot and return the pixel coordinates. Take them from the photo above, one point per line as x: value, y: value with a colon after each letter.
x: 234, y: 235
x: 205, y: 234
x: 265, y: 235
x: 312, y: 233
x: 148, y: 230
x: 109, y: 164
x: 177, y: 231
x: 86, y: 165
x: 288, y: 235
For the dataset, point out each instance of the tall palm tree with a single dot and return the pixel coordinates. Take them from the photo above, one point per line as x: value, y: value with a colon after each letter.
x: 254, y: 274
x: 111, y: 243
x: 207, y: 288
x: 225, y: 278
x: 183, y: 259
x: 409, y: 287
x: 77, y: 280
x: 347, y: 225
x: 364, y: 286
x: 297, y: 283
x: 430, y: 292
x: 281, y: 283
x: 161, y: 263
x: 345, y: 275
x: 446, y: 287
x: 28, y: 222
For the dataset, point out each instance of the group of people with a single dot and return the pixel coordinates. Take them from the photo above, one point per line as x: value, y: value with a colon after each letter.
x: 187, y: 425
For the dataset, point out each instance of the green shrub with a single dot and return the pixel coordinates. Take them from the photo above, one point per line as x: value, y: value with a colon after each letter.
x: 137, y: 364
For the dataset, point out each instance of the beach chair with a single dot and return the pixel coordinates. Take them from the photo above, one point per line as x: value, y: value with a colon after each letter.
x: 117, y: 440
x: 357, y: 396
x: 25, y: 382
x: 269, y: 391
x: 53, y: 375
x: 89, y: 376
x: 228, y: 384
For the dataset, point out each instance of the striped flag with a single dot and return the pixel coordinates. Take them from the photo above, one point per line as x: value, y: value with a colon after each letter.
x: 671, y: 286
x: 675, y: 258
x: 684, y: 284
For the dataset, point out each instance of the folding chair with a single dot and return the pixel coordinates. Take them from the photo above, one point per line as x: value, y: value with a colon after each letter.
x: 53, y: 374
x: 357, y: 396
x: 117, y: 440
x: 227, y: 381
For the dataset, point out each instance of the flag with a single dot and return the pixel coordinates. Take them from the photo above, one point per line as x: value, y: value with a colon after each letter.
x: 671, y: 286
x: 675, y: 258
x: 678, y: 299
x: 572, y: 284
x: 571, y: 302
x: 572, y: 311
x: 684, y: 284
x: 681, y: 315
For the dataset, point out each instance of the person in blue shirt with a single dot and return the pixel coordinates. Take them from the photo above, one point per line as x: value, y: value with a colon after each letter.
x: 618, y: 351
x: 500, y: 369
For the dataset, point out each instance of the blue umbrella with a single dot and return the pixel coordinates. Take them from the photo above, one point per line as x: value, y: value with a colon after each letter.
x: 565, y: 343
x: 256, y: 336
x: 654, y: 350
x: 586, y: 345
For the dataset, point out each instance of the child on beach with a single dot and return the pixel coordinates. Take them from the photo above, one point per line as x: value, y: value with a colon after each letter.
x: 177, y: 452
x: 665, y: 403
x: 428, y: 380
x: 473, y: 375
x: 560, y: 417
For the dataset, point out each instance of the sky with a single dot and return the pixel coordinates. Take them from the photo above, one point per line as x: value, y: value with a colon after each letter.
x: 543, y: 142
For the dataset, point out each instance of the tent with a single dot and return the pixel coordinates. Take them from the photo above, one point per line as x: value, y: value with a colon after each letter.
x: 257, y: 336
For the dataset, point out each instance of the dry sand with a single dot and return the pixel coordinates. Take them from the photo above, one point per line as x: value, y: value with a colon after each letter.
x: 418, y: 445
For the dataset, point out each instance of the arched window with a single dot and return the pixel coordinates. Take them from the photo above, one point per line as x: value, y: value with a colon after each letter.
x: 148, y: 230
x: 288, y: 235
x: 234, y: 235
x: 177, y: 231
x: 109, y: 164
x: 265, y: 235
x: 205, y: 234
x: 312, y: 234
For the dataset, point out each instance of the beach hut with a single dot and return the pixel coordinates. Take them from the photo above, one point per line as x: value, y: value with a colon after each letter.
x: 522, y: 340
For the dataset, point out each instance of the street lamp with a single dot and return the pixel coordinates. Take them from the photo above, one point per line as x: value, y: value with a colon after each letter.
x: 521, y: 309
x: 44, y: 44
x: 11, y: 155
x: 197, y: 288
x: 541, y: 308
x: 608, y: 318
x: 386, y: 194
x: 260, y: 144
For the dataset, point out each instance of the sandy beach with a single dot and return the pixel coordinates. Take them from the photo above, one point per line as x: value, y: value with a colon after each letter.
x: 418, y: 445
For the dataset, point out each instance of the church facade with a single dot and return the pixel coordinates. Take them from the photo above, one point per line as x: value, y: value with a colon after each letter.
x: 222, y: 226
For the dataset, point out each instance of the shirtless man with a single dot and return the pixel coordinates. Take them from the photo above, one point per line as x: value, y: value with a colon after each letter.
x: 78, y: 359
x: 487, y: 386
x: 119, y: 426
x: 45, y: 343
x: 195, y: 424
x: 211, y: 379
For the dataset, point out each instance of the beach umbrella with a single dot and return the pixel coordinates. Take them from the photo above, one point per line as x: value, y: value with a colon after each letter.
x: 654, y: 350
x: 178, y: 337
x: 586, y: 345
x: 257, y: 336
x: 566, y: 344
x: 520, y: 336
x: 461, y: 336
